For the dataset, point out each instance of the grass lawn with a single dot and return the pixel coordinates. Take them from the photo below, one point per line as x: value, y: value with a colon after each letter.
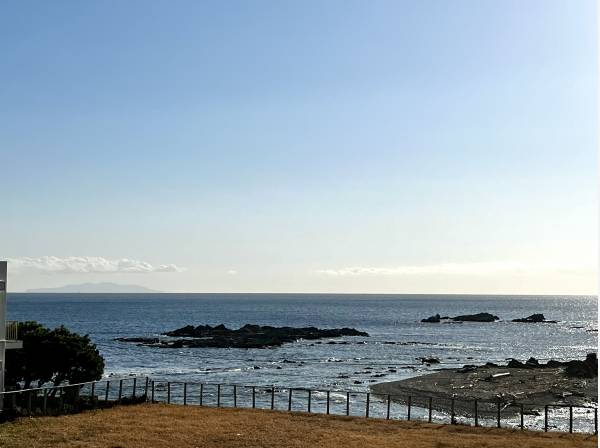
x: 176, y: 426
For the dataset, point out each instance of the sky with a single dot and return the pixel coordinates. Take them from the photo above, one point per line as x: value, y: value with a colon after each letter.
x: 284, y: 146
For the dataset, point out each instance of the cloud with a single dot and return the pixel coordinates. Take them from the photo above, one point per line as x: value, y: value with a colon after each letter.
x: 87, y: 265
x: 232, y: 272
x: 480, y: 268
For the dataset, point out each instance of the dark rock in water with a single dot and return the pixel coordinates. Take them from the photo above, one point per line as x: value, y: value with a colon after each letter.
x: 248, y: 336
x: 490, y: 364
x: 432, y: 319
x: 467, y: 368
x: 535, y: 318
x: 553, y: 363
x: 479, y: 317
x: 429, y: 360
x: 138, y: 340
x: 358, y: 382
x: 392, y: 370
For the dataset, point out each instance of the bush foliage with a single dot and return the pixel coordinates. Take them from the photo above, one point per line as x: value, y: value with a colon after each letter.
x: 56, y: 356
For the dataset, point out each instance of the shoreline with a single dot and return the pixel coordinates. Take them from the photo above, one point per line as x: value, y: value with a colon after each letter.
x: 457, y: 389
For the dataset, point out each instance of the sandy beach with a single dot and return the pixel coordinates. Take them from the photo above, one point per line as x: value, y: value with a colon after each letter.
x: 533, y: 388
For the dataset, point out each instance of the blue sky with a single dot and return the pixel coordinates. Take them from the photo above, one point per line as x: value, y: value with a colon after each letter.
x: 339, y: 146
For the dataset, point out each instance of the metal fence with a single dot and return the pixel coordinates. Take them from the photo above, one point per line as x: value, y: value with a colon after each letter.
x: 12, y: 330
x: 72, y: 398
x: 551, y: 417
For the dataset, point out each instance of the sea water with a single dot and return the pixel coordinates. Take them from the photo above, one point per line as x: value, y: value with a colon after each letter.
x: 397, y: 337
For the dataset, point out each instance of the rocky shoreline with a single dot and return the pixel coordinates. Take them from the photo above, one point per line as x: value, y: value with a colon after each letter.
x: 530, y: 383
x: 248, y: 336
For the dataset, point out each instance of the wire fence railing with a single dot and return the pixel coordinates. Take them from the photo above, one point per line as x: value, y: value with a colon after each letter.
x: 73, y: 398
x: 549, y: 417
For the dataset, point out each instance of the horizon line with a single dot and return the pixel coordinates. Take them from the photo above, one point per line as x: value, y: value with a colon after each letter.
x: 322, y: 293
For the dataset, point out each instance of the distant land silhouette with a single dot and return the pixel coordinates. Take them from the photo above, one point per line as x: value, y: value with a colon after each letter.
x: 104, y: 288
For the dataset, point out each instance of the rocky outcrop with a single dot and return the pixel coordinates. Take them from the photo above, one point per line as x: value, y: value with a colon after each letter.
x: 479, y: 317
x: 248, y: 336
x: 573, y: 368
x: 583, y: 369
x: 535, y: 318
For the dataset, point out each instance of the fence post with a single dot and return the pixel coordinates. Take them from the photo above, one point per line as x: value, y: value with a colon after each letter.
x: 368, y: 405
x: 409, y: 404
x: 309, y: 399
x: 120, y: 390
x: 596, y: 421
x: 571, y: 419
x: 253, y: 397
x: 546, y: 418
x: 272, y: 397
x: 14, y: 400
x: 234, y: 396
x: 218, y: 395
x: 134, y: 387
x: 452, y: 415
x: 498, y: 413
x: 146, y: 388
x: 201, y: 394
x: 522, y: 418
x: 62, y: 400
x: 476, y: 415
x: 347, y: 403
x: 29, y: 403
x: 168, y: 392
x: 430, y: 409
x: 389, y: 400
x: 327, y: 402
x: 93, y: 394
x: 185, y: 394
x: 106, y: 391
x: 152, y: 391
x: 45, y: 404
x: 290, y: 400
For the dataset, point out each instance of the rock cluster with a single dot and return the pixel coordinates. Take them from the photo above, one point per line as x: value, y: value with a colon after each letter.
x: 535, y: 318
x: 248, y: 336
x: 479, y: 317
x: 574, y: 368
x: 486, y: 317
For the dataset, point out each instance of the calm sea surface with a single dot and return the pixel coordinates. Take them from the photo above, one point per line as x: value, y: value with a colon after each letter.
x: 387, y: 318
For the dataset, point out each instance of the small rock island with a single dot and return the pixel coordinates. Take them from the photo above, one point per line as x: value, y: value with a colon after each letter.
x: 479, y: 317
x: 248, y: 336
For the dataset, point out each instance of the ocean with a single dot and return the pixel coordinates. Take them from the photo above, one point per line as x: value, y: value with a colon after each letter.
x: 397, y: 337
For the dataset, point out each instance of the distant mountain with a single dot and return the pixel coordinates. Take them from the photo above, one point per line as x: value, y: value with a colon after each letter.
x: 105, y: 288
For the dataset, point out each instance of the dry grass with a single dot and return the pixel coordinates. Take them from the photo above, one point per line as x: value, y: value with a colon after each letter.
x: 165, y: 426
